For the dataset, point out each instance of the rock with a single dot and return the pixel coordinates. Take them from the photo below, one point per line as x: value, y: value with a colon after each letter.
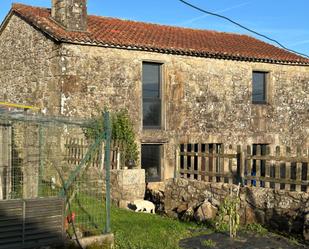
x: 285, y: 202
x: 306, y: 227
x: 123, y: 204
x: 182, y: 182
x: 157, y: 197
x: 199, y: 185
x: 186, y: 197
x: 242, y: 197
x: 172, y: 214
x: 207, y: 194
x: 214, y: 202
x: 182, y: 208
x: 260, y: 198
x: 295, y: 195
x: 205, y: 212
x: 191, y: 189
x: 188, y: 215
x: 249, y: 216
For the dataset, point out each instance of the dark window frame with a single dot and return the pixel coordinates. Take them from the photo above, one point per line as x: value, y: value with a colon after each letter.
x: 158, y: 178
x: 153, y: 99
x: 265, y: 85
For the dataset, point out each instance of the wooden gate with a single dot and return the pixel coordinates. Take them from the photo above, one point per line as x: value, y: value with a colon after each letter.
x: 31, y: 223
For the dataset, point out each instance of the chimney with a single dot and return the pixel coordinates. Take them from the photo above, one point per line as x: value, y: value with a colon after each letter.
x: 71, y: 14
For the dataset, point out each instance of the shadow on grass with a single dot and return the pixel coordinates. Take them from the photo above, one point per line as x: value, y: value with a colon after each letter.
x: 245, y: 240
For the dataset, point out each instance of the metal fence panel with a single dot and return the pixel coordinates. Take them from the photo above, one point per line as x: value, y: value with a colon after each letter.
x: 39, y: 159
x: 31, y: 223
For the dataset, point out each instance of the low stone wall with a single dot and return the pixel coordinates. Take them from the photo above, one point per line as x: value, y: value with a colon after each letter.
x: 127, y: 185
x: 279, y: 209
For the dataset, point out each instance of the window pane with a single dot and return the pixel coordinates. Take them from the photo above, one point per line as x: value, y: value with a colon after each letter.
x: 152, y: 112
x: 151, y: 161
x: 258, y: 87
x: 151, y: 80
x: 151, y: 95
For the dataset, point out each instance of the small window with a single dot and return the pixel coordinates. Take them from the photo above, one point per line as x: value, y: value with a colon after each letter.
x: 151, y: 161
x: 151, y: 95
x: 259, y: 87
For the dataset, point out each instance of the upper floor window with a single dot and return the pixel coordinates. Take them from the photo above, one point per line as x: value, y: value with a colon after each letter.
x: 152, y: 95
x: 259, y: 85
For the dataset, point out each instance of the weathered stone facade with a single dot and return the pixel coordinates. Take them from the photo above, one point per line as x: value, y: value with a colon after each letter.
x: 204, y: 100
x: 29, y: 66
x: 279, y: 209
x: 127, y: 185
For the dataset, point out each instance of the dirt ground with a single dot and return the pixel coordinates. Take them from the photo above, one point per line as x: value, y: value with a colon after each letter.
x: 244, y: 241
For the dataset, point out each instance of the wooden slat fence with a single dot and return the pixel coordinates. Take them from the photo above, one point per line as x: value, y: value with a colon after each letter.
x: 76, y: 149
x: 257, y: 165
x: 207, y: 162
x: 31, y: 223
x: 277, y: 168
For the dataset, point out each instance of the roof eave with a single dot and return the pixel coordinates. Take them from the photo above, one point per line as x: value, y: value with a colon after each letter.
x: 36, y: 26
x: 6, y: 21
x: 185, y: 53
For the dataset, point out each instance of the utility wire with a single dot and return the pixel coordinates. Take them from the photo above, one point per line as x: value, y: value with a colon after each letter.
x: 242, y: 26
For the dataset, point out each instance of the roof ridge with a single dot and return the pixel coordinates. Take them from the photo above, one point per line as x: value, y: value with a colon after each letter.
x: 169, y: 26
x: 147, y: 36
x: 16, y: 5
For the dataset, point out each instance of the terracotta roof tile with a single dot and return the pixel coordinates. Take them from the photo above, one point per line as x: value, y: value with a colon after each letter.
x: 113, y: 32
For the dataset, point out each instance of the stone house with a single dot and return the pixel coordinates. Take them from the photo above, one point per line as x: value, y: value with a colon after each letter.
x: 178, y: 84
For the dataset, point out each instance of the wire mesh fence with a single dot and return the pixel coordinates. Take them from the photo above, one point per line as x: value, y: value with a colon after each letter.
x: 34, y: 163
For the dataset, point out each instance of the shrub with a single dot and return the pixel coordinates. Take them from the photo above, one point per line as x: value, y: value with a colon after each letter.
x: 122, y: 131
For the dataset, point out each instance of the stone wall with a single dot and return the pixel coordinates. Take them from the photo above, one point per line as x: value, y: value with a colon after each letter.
x: 127, y: 185
x: 279, y: 209
x: 30, y: 74
x: 204, y: 100
x: 29, y: 66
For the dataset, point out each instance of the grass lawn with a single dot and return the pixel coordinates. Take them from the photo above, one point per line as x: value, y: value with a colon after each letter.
x: 147, y: 231
x: 132, y: 230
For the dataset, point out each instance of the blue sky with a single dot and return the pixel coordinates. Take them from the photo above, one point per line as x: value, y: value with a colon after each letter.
x: 286, y: 21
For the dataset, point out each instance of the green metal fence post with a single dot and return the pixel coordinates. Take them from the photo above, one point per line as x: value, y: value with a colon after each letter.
x: 107, y: 126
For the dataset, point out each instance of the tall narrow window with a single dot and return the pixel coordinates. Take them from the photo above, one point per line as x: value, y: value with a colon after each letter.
x: 151, y: 95
x: 259, y: 87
